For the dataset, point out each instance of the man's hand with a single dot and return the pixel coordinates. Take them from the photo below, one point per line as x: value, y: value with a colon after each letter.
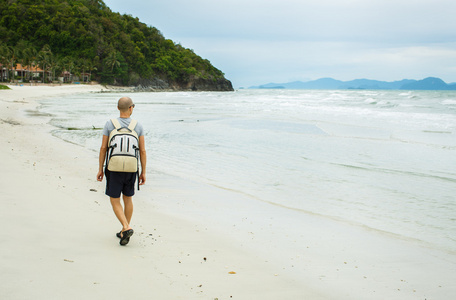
x: 142, y: 179
x: 100, y: 176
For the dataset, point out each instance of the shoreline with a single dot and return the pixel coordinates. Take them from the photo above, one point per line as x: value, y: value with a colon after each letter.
x: 109, y: 88
x: 60, y: 234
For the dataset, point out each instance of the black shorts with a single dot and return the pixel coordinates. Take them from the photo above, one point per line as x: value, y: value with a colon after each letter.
x: 120, y: 182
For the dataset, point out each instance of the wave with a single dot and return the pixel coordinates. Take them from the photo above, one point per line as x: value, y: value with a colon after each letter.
x: 437, y: 131
x: 277, y: 126
x: 395, y: 171
x: 449, y: 102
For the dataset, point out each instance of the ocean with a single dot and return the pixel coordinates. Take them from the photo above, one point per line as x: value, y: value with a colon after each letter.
x: 381, y: 160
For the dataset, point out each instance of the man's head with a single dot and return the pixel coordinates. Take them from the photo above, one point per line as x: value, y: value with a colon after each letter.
x: 124, y: 104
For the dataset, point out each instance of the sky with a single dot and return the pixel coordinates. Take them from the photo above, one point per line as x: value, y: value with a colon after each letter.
x: 256, y: 42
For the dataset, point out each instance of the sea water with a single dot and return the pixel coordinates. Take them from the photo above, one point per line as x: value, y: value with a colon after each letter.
x: 385, y: 160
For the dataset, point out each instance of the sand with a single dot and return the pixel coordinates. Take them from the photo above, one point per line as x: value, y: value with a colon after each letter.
x: 58, y: 234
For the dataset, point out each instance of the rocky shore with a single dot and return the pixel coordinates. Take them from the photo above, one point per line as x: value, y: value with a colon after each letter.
x: 198, y: 84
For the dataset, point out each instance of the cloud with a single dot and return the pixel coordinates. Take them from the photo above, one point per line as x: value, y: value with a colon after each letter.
x: 256, y: 40
x: 322, y: 19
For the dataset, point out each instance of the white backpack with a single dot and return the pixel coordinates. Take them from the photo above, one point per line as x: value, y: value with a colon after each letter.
x: 123, y: 148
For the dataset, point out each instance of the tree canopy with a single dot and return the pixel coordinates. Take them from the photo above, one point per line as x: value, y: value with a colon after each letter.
x: 87, y: 35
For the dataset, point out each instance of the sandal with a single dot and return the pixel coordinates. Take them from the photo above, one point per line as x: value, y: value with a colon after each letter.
x: 125, y: 239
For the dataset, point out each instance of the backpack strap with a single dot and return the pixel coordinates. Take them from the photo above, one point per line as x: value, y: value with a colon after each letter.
x: 116, y: 123
x: 132, y: 125
x: 132, y: 128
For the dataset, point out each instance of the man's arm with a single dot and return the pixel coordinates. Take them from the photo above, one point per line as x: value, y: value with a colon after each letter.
x: 102, y: 157
x: 143, y: 159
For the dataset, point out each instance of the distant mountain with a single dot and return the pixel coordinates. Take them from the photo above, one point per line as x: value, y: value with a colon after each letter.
x: 430, y: 83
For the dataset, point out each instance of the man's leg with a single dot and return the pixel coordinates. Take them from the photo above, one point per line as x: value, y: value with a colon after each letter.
x: 128, y: 207
x: 120, y: 214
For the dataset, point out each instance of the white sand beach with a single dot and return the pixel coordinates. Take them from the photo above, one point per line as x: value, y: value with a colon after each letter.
x: 58, y: 235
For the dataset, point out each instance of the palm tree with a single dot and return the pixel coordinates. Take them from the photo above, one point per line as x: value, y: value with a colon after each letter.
x: 27, y: 60
x: 43, y: 59
x: 22, y: 49
x: 2, y: 58
x: 111, y: 60
x: 83, y: 65
x: 91, y: 67
x: 68, y: 62
x: 9, y: 57
x: 53, y: 64
x: 30, y: 55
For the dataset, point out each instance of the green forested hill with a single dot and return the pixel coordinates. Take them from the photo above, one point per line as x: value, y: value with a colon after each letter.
x: 85, y: 36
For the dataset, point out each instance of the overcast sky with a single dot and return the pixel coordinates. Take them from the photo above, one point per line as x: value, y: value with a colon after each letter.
x: 259, y: 41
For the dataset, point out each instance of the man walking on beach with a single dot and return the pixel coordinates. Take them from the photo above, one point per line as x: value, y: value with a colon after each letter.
x: 122, y: 183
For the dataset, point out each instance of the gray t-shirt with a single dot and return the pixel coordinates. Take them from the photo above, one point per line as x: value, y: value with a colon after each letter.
x: 124, y: 122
